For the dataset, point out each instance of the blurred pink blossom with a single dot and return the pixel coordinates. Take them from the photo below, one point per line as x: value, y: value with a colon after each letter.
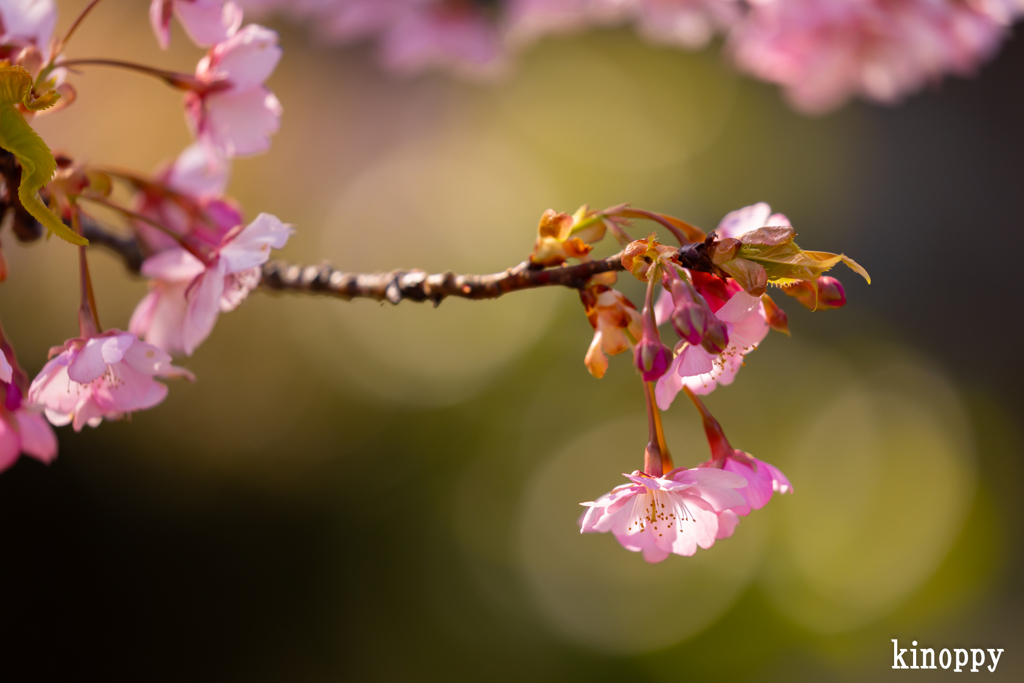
x: 659, y: 516
x: 196, y: 205
x: 106, y: 376
x: 22, y: 426
x: 188, y: 294
x: 205, y: 21
x: 25, y: 23
x: 237, y: 114
x: 825, y: 51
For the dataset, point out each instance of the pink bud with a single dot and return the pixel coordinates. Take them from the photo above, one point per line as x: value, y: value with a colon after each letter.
x: 716, y: 338
x: 690, y: 322
x: 652, y: 358
x: 830, y: 293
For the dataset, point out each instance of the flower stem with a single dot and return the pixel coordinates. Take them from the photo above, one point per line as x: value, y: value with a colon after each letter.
x: 681, y: 230
x: 183, y: 241
x: 174, y: 79
x: 717, y: 440
x: 88, y: 318
x: 59, y: 47
x: 659, y: 430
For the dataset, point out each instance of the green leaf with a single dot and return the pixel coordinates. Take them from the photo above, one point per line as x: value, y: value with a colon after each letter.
x: 36, y: 159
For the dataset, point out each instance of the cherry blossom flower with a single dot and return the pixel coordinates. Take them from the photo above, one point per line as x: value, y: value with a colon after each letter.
x: 205, y: 21
x: 744, y: 319
x: 102, y: 377
x: 26, y: 23
x: 188, y: 293
x: 23, y: 429
x: 195, y: 205
x: 672, y: 514
x: 825, y: 51
x: 236, y: 114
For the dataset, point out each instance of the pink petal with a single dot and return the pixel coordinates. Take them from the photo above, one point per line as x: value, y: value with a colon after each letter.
x: 160, y: 19
x: 251, y: 247
x: 133, y: 390
x: 6, y: 371
x: 738, y: 307
x: 87, y: 363
x: 247, y: 58
x: 238, y: 123
x: 203, y: 308
x: 707, y: 477
x: 37, y: 437
x: 663, y: 307
x: 759, y: 484
x: 208, y: 21
x: 727, y: 523
x: 10, y: 445
x: 741, y: 221
x: 173, y: 265
x: 199, y: 172
x: 147, y: 358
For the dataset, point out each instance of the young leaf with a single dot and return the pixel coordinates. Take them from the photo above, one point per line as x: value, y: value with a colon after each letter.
x: 36, y: 159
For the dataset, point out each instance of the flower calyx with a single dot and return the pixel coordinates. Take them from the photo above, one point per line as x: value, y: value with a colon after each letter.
x: 561, y: 236
x: 645, y: 257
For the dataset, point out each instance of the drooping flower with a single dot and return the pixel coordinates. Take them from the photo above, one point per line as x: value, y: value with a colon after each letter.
x: 234, y: 113
x: 22, y: 426
x: 762, y: 479
x: 205, y: 21
x: 189, y: 293
x: 672, y: 514
x: 825, y: 51
x: 614, y: 319
x: 188, y: 199
x: 102, y: 377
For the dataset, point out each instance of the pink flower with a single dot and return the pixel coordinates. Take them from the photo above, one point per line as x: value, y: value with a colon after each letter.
x: 188, y: 294
x: 22, y: 427
x: 442, y: 35
x: 763, y: 479
x: 205, y: 21
x: 27, y: 23
x: 659, y: 516
x: 745, y: 323
x: 106, y: 376
x: 825, y: 51
x: 689, y: 24
x: 237, y: 114
x: 195, y: 206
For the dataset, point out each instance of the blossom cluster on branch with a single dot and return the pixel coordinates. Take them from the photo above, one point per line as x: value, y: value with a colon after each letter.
x: 822, y: 52
x: 707, y: 304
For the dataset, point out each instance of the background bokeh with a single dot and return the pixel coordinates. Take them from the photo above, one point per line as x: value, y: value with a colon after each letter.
x: 364, y: 492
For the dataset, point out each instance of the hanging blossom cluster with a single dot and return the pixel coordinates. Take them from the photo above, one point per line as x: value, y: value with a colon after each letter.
x: 706, y: 306
x: 822, y: 52
x: 710, y: 296
x: 200, y: 254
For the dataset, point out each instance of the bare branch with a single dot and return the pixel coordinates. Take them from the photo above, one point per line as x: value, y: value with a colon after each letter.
x: 418, y: 285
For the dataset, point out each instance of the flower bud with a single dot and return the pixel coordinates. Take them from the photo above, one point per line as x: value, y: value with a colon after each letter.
x: 716, y: 338
x: 775, y: 316
x: 690, y: 321
x: 828, y: 294
x: 652, y: 358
